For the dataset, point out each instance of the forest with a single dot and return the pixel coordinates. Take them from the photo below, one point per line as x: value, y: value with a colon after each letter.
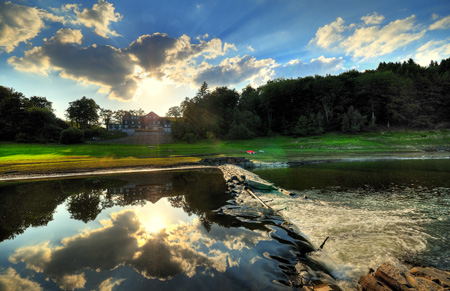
x: 401, y: 95
x: 395, y: 95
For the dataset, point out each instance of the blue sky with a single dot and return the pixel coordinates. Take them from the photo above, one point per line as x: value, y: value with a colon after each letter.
x: 152, y: 54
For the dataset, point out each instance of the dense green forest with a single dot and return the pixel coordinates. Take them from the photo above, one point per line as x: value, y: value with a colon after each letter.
x: 404, y: 95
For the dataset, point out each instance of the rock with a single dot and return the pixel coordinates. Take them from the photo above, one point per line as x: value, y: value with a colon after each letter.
x: 393, y: 277
x: 442, y: 278
x: 370, y: 283
x: 388, y: 277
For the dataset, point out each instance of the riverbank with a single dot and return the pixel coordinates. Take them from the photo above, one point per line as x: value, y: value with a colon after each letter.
x: 49, y: 172
x: 30, y: 159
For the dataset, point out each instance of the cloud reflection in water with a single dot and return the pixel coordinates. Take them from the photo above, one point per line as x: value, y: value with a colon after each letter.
x: 183, y: 248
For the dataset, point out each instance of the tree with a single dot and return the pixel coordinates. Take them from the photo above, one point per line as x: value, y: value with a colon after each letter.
x: 12, y: 111
x: 352, y: 121
x: 106, y: 116
x: 174, y: 111
x: 40, y: 102
x: 83, y: 112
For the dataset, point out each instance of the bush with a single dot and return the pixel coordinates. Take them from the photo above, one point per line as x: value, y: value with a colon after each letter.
x: 94, y: 132
x: 190, y: 137
x: 240, y: 131
x: 51, y: 132
x: 71, y: 135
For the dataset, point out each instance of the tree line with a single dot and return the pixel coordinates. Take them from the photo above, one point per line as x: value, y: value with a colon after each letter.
x: 402, y: 94
x: 32, y: 120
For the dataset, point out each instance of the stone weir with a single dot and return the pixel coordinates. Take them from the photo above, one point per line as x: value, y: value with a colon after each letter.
x: 248, y: 189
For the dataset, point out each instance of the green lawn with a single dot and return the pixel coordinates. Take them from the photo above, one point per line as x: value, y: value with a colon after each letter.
x: 37, y: 158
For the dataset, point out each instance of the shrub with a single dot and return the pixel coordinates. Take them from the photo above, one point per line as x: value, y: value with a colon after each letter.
x: 190, y: 137
x: 239, y: 131
x: 71, y: 135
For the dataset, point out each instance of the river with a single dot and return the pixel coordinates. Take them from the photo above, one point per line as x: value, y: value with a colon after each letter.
x: 142, y: 231
x: 372, y: 212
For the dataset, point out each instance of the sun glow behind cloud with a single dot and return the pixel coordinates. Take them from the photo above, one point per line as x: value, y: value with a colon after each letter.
x: 100, y: 45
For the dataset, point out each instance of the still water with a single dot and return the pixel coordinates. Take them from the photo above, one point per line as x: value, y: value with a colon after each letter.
x: 373, y: 212
x: 153, y: 231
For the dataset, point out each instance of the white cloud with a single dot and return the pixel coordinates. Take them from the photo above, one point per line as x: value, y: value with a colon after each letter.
x: 109, y: 284
x: 236, y: 70
x: 368, y: 40
x: 432, y: 51
x: 98, y: 17
x: 329, y: 34
x: 72, y: 282
x: 444, y: 23
x: 11, y: 281
x: 68, y: 36
x: 373, y: 41
x: 21, y: 23
x: 320, y: 66
x: 371, y: 19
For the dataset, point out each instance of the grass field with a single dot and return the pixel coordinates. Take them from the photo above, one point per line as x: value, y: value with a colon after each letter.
x: 37, y: 158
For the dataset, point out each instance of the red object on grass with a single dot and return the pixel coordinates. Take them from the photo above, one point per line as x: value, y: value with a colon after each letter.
x: 251, y: 152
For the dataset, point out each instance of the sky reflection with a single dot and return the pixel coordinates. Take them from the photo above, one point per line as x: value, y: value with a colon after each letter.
x: 124, y: 240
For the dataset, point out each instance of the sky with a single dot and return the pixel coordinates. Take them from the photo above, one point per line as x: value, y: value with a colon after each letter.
x: 152, y: 54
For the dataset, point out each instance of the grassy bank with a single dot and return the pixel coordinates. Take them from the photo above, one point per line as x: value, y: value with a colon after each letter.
x: 36, y: 158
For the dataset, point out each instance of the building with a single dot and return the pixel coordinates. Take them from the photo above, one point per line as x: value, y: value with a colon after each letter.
x: 149, y: 122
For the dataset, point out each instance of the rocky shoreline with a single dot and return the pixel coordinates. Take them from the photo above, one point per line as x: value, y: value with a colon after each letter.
x: 388, y: 277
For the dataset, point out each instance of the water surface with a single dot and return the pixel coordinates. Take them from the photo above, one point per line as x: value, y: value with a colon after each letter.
x: 372, y: 211
x: 154, y: 231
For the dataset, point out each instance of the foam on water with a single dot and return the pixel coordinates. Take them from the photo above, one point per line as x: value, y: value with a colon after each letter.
x: 367, y: 228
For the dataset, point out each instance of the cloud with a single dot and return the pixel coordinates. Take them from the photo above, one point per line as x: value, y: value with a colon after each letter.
x: 374, y: 41
x: 320, y: 66
x: 109, y: 284
x: 11, y: 281
x: 444, y: 23
x: 124, y: 241
x: 35, y: 257
x: 105, y: 66
x: 21, y: 23
x: 236, y: 70
x: 432, y: 51
x: 121, y: 72
x: 99, y: 17
x: 72, y: 282
x: 371, y: 19
x: 368, y: 40
x: 329, y: 34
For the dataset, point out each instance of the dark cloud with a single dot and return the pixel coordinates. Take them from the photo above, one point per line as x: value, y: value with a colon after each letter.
x: 104, y: 65
x: 151, y: 52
